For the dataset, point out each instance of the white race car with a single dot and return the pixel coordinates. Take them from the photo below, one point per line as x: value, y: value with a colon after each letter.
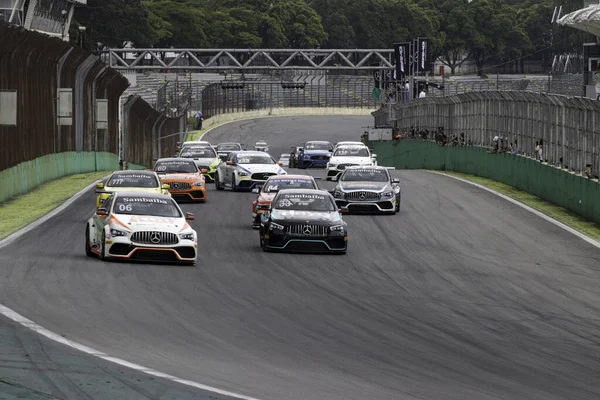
x: 261, y: 145
x: 349, y: 155
x: 245, y: 169
x: 141, y: 226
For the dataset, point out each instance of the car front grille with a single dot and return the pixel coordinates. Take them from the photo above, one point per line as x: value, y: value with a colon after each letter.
x: 180, y: 186
x: 362, y: 196
x: 344, y: 166
x: 319, y: 157
x: 262, y: 176
x: 153, y: 237
x: 308, y: 230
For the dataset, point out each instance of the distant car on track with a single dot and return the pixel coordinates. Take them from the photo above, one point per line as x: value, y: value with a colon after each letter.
x: 205, y: 157
x: 186, y: 182
x: 303, y: 220
x: 245, y: 169
x: 261, y: 145
x: 267, y: 191
x: 349, y: 155
x: 223, y: 149
x: 130, y: 180
x: 367, y: 189
x: 314, y: 153
x: 141, y: 226
x: 284, y: 159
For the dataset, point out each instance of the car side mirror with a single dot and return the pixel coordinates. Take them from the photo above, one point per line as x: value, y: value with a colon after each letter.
x: 223, y: 157
x: 280, y: 163
x: 204, y: 170
x: 229, y: 162
x: 100, y: 188
x: 395, y: 180
x: 331, y: 192
x: 373, y: 155
x: 190, y: 216
x: 256, y: 190
x: 335, y: 178
x: 101, y: 212
x: 166, y: 186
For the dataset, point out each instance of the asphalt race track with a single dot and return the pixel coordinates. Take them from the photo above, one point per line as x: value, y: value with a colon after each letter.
x: 462, y: 295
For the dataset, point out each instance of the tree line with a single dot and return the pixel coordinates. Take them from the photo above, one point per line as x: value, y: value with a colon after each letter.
x: 486, y: 31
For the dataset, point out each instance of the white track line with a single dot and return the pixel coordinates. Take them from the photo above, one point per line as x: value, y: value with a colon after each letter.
x: 525, y: 206
x: 27, y: 323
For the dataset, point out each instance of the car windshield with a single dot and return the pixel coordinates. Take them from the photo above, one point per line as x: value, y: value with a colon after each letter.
x: 351, y: 152
x: 317, y: 146
x: 150, y: 206
x: 365, y: 175
x: 198, y: 152
x: 304, y: 202
x: 133, y: 180
x: 229, y: 147
x: 275, y: 185
x: 254, y: 159
x: 179, y: 166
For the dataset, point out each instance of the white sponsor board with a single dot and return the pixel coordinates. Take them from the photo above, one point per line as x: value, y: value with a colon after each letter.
x: 380, y: 134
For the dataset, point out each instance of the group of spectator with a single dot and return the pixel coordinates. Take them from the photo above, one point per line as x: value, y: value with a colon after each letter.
x: 439, y: 136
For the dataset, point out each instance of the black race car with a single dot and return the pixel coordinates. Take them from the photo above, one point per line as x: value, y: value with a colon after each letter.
x: 367, y: 189
x: 303, y: 220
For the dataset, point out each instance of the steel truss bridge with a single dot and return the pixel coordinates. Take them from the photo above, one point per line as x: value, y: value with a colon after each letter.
x: 202, y: 60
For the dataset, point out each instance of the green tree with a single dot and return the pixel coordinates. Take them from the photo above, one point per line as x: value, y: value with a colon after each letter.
x: 183, y: 23
x: 300, y: 22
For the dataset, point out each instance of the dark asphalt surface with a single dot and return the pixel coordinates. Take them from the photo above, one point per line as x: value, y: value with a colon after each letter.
x: 462, y: 295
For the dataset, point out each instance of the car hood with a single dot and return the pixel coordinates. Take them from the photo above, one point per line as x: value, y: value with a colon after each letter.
x: 307, y: 217
x: 317, y: 152
x: 377, y: 186
x: 180, y: 177
x: 266, y: 197
x: 150, y: 223
x: 133, y: 189
x: 350, y: 160
x: 252, y: 168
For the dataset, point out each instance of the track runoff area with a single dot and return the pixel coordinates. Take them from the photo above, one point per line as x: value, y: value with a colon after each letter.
x: 460, y: 295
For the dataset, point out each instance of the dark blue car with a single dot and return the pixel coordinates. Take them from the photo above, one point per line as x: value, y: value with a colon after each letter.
x: 315, y: 154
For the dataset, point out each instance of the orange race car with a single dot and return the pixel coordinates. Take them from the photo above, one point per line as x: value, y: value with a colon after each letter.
x: 186, y: 181
x: 274, y: 184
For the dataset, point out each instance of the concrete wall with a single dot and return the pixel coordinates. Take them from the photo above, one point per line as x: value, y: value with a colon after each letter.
x: 573, y: 192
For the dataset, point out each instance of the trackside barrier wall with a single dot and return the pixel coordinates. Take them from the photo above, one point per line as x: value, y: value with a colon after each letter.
x: 41, y: 146
x: 569, y: 190
x: 569, y: 126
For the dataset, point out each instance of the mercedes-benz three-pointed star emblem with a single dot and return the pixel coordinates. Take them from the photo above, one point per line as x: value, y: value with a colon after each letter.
x: 362, y: 195
x: 155, y: 237
x: 175, y: 186
x: 307, y: 230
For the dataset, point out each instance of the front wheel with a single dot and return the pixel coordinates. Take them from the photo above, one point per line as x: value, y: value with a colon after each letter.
x: 103, y: 248
x: 218, y: 182
x: 233, y: 185
x: 88, y: 247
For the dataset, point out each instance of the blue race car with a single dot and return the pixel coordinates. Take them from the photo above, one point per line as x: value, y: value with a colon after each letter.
x: 314, y: 154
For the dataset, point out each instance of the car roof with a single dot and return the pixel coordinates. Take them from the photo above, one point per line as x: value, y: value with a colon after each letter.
x: 134, y: 172
x: 250, y: 152
x: 378, y: 167
x: 304, y: 191
x: 150, y: 195
x: 317, y: 141
x: 239, y: 144
x: 188, y: 160
x: 287, y: 177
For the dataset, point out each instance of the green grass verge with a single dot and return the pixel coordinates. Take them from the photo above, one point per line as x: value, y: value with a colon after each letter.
x: 23, y: 210
x: 588, y: 228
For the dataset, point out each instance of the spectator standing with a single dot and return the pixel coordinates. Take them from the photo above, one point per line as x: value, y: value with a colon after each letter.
x: 422, y: 94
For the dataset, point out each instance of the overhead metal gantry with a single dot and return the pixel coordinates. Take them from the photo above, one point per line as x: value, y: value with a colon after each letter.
x: 203, y: 60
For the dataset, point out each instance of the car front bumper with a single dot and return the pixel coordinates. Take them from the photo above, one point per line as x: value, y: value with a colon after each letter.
x: 379, y: 206
x: 122, y: 248
x: 315, y: 244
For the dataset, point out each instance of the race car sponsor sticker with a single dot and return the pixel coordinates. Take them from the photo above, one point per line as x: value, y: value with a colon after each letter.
x: 142, y: 200
x: 129, y: 178
x: 279, y: 184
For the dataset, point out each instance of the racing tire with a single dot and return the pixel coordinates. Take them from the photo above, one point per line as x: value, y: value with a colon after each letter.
x: 88, y: 247
x: 233, y: 185
x: 103, y: 249
x: 398, y: 206
x: 218, y: 182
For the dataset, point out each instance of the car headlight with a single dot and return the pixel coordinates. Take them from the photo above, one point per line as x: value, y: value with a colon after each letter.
x: 388, y: 194
x: 186, y: 236
x: 199, y: 184
x: 276, y: 227
x: 331, y: 165
x: 337, y: 228
x: 339, y: 194
x: 116, y: 233
x: 243, y: 173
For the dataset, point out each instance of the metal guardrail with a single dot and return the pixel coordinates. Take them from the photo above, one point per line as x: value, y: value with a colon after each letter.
x: 568, y: 127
